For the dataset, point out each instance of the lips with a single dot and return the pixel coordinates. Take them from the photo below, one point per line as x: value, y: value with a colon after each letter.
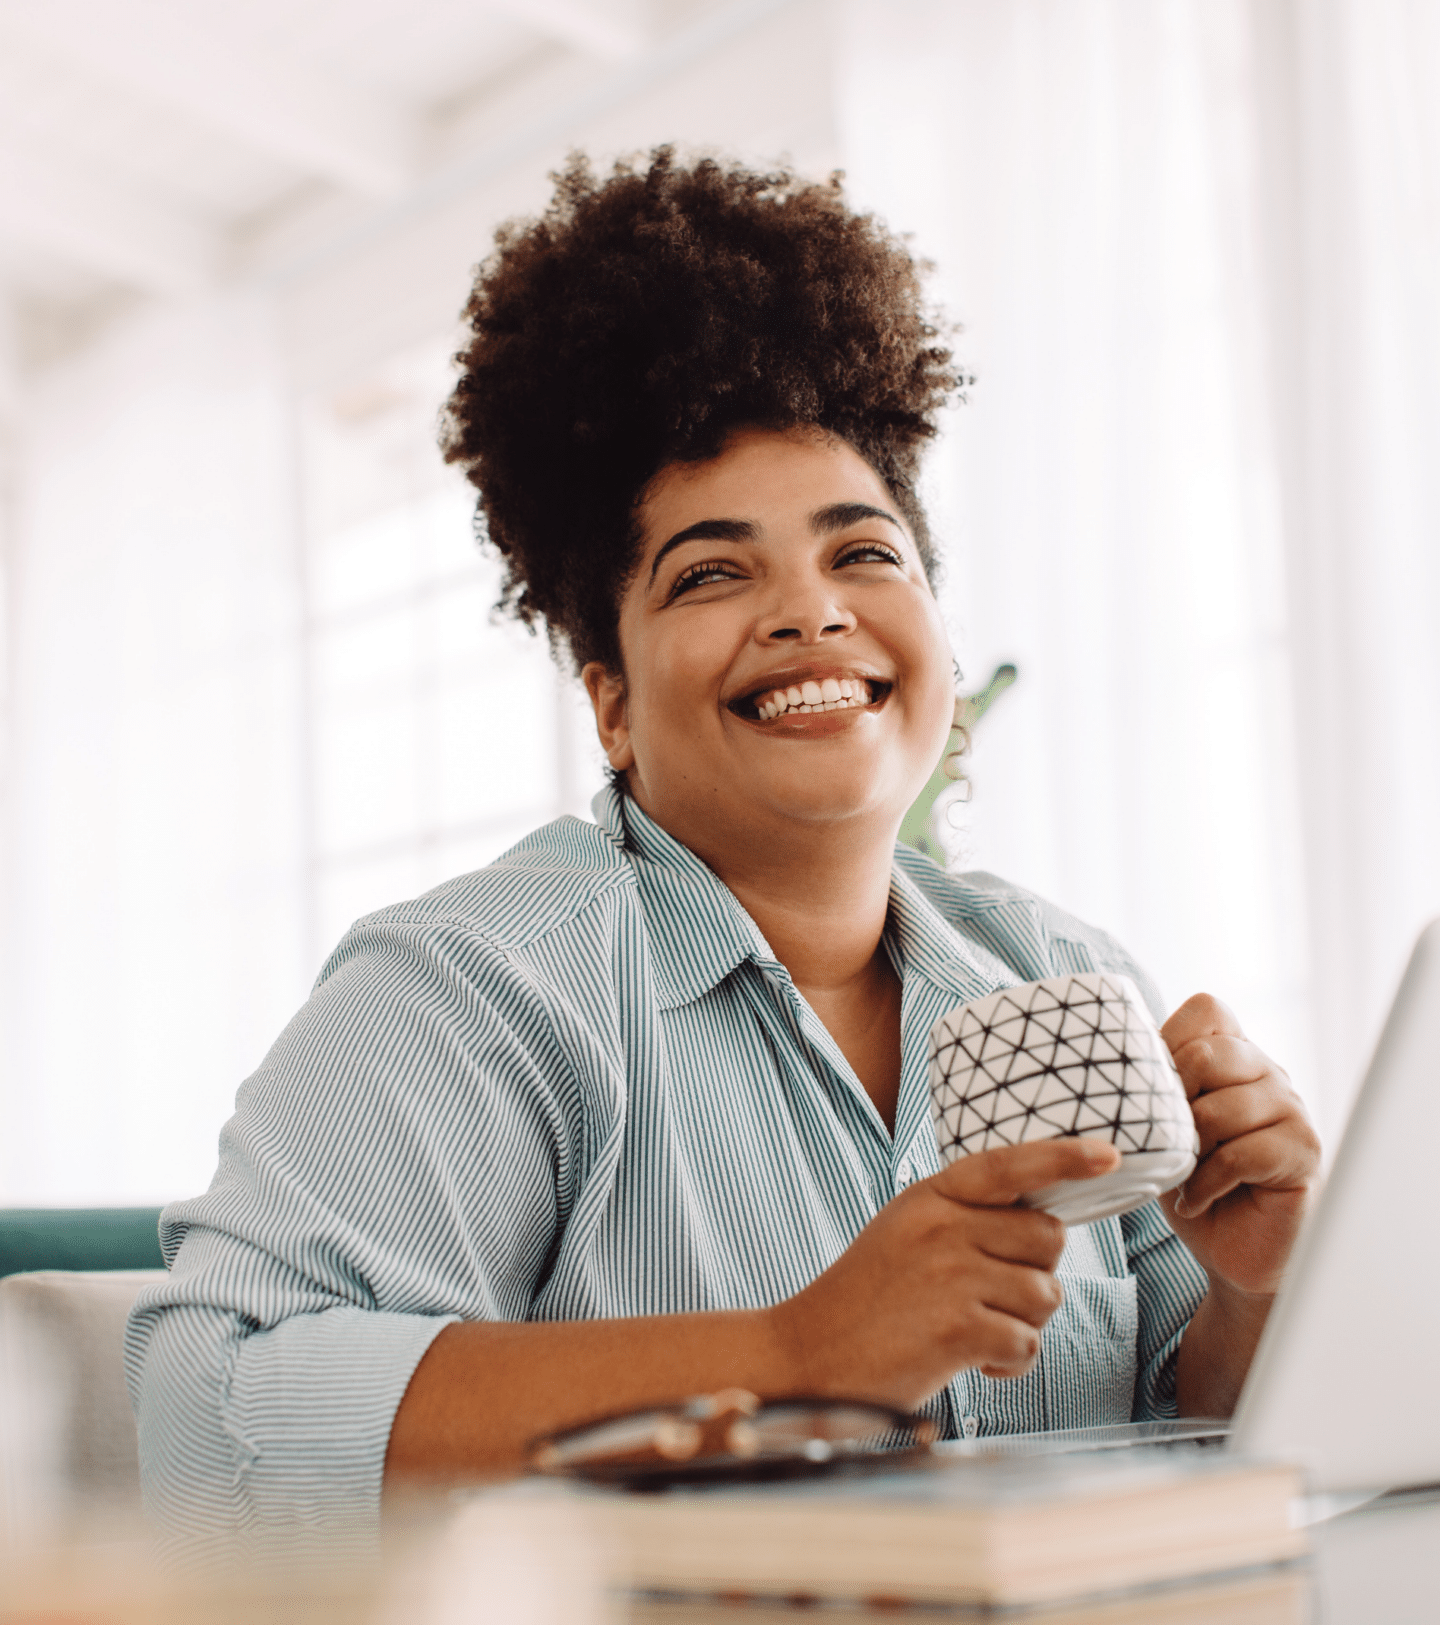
x: 793, y: 694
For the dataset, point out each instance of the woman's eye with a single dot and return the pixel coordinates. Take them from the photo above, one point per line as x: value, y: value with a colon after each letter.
x: 701, y: 575
x: 869, y: 553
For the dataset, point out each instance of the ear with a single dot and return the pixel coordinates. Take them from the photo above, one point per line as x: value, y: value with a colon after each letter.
x: 612, y: 713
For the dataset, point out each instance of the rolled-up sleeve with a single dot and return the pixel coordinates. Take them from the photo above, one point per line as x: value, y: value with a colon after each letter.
x: 403, y: 1158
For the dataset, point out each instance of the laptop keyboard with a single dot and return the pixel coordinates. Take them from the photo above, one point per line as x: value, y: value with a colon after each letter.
x: 1184, y: 1435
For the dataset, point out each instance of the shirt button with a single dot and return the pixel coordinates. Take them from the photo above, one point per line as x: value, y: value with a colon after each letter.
x: 971, y: 1425
x: 902, y: 1174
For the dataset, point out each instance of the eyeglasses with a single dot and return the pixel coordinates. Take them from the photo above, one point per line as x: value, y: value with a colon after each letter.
x: 730, y: 1434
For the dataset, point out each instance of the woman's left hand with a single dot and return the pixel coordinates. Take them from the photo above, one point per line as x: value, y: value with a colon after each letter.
x: 1241, y: 1209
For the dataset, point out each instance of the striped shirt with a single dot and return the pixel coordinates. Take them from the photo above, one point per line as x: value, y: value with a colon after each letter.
x: 578, y: 1083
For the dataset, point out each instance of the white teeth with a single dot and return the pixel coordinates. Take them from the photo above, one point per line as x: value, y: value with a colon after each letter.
x: 830, y: 694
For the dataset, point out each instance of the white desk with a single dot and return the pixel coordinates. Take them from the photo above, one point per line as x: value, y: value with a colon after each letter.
x: 1379, y: 1566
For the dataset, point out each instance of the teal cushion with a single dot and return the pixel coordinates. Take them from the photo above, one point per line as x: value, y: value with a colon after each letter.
x: 79, y: 1238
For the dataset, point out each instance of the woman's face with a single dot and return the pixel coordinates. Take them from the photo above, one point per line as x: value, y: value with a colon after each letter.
x: 785, y: 663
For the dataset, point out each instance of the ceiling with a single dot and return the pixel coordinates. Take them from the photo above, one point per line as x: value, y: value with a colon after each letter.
x: 153, y: 147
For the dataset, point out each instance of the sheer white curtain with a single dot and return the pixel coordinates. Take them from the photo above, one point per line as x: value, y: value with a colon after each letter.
x: 154, y: 938
x: 1193, y: 245
x: 1350, y: 198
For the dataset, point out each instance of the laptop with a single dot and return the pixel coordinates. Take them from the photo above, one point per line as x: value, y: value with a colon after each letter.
x: 1346, y: 1381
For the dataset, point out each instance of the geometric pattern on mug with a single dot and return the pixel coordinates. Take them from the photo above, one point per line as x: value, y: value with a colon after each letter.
x: 1071, y: 1057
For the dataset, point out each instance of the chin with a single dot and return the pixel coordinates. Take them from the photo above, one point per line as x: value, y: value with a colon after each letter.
x: 826, y: 798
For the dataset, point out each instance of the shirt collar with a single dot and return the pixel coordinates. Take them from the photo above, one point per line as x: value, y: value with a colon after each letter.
x: 934, y: 949
x: 700, y: 931
x: 941, y: 968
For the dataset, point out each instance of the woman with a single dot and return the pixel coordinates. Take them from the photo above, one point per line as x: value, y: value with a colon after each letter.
x: 640, y: 1110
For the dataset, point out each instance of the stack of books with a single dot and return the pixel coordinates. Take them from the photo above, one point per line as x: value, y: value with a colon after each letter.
x: 1105, y: 1534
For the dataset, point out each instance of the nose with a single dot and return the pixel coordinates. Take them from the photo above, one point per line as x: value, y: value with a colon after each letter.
x: 808, y: 612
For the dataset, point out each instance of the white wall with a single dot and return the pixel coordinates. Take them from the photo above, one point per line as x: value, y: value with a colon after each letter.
x: 171, y: 897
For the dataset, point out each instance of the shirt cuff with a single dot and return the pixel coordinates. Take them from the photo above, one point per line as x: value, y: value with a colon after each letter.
x: 308, y: 1409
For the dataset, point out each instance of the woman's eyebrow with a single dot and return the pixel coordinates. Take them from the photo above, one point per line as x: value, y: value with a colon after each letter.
x: 841, y: 515
x: 824, y: 522
x: 709, y: 530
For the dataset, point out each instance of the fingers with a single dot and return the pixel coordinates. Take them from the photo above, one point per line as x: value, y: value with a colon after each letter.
x: 1001, y: 1332
x: 1029, y: 1295
x: 1199, y: 1017
x: 1236, y: 1090
x: 1279, y: 1157
x: 1242, y: 1109
x: 1001, y: 1177
x: 1016, y: 1235
x: 1004, y: 1347
x: 1218, y: 1061
x: 953, y: 1273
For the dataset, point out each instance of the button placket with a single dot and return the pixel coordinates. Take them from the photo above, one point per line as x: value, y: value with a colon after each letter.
x: 780, y: 1011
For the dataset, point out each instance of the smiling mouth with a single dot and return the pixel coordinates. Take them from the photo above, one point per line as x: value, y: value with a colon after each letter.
x: 805, y: 699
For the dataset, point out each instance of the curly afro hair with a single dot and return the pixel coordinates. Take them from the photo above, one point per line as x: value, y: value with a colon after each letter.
x: 641, y: 320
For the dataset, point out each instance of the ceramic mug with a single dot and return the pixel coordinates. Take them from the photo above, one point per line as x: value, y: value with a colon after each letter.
x: 1072, y: 1055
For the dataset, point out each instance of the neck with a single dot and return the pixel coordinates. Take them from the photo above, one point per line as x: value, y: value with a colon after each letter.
x: 819, y: 898
x: 820, y: 894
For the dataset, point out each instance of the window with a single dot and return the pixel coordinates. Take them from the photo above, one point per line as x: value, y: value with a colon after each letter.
x: 437, y: 734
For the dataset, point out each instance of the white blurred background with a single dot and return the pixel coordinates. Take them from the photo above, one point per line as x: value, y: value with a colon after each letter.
x: 250, y: 685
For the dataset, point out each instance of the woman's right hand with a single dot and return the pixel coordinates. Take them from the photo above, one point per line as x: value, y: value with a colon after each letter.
x: 949, y: 1275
